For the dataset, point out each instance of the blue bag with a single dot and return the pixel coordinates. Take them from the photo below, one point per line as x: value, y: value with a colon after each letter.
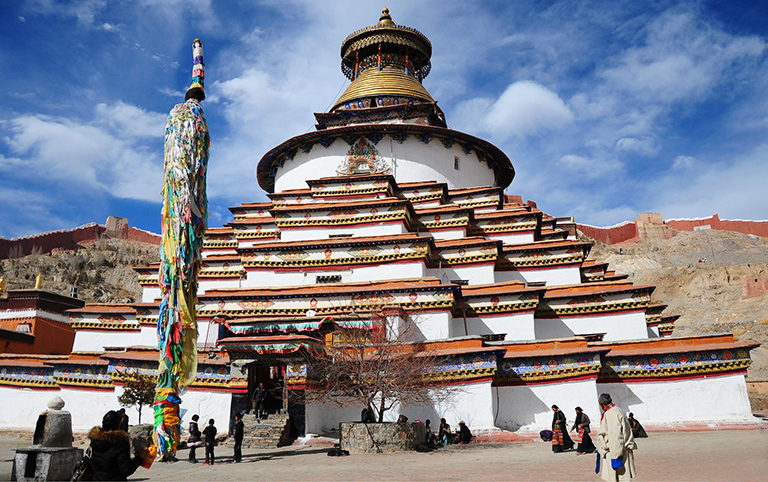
x: 597, y: 463
x: 616, y: 464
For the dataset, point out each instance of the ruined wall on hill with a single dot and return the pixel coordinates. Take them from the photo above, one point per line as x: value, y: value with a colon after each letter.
x: 70, y: 239
x: 758, y: 228
x: 612, y: 235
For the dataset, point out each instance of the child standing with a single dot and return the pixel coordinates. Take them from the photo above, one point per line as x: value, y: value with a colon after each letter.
x: 210, y: 440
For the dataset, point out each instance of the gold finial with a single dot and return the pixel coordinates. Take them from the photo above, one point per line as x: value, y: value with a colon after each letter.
x: 2, y: 284
x: 385, y: 20
x: 39, y: 281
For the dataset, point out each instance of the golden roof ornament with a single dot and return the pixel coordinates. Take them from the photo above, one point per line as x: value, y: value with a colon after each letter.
x: 385, y: 61
x: 385, y: 20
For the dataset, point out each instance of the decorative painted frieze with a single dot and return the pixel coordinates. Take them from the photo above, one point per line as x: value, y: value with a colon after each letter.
x: 677, y: 362
x: 30, y: 375
x: 453, y: 253
x: 85, y: 374
x: 337, y: 252
x: 256, y: 228
x: 480, y: 197
x: 570, y: 302
x: 501, y: 222
x: 326, y: 300
x: 350, y: 186
x: 517, y: 369
x: 374, y: 211
x: 221, y: 267
x: 541, y: 255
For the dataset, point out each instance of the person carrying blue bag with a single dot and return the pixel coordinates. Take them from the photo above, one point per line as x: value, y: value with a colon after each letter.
x: 615, y: 443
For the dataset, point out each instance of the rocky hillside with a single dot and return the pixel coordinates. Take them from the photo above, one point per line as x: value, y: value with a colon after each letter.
x: 717, y: 281
x: 103, y: 270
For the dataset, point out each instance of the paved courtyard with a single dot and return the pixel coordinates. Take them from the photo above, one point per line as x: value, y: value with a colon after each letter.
x: 731, y: 455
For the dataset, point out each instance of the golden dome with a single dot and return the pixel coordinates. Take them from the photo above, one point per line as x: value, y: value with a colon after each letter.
x: 388, y: 82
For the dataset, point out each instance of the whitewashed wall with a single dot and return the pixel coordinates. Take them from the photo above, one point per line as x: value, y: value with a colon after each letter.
x: 552, y: 276
x: 470, y: 402
x: 266, y: 278
x: 517, y: 326
x: 718, y: 398
x: 434, y: 325
x: 321, y: 418
x: 150, y: 293
x: 616, y: 326
x: 443, y: 234
x: 22, y: 406
x: 325, y: 232
x: 475, y: 275
x: 96, y: 340
x: 513, y: 238
x: 528, y: 408
x: 414, y: 161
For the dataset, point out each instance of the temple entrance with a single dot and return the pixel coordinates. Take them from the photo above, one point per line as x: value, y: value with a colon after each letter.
x: 273, y: 378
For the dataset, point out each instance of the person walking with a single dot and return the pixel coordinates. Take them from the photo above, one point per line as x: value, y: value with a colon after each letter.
x: 239, y: 428
x: 258, y: 400
x: 111, y: 450
x: 582, y: 428
x: 210, y: 442
x: 194, y: 438
x: 615, y: 443
x: 561, y: 442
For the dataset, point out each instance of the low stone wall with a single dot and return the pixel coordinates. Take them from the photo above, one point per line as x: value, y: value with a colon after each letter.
x: 380, y: 438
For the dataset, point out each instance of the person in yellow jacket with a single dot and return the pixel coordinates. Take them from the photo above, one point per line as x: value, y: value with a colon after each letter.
x: 615, y: 443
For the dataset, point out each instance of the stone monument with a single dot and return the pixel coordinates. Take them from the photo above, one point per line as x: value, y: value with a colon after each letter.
x: 51, y: 456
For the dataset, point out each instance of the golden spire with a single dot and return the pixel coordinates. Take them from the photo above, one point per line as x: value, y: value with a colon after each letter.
x: 385, y: 20
x: 39, y: 281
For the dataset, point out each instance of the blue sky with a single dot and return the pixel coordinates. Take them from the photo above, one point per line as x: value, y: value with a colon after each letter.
x: 606, y: 109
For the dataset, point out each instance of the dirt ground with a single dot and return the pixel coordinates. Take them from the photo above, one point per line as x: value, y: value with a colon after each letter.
x: 731, y: 455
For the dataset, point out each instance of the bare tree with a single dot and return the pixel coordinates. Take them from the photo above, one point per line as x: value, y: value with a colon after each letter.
x: 378, y: 365
x: 139, y: 390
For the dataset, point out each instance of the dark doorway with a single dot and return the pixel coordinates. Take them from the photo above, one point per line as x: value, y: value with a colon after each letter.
x: 272, y: 378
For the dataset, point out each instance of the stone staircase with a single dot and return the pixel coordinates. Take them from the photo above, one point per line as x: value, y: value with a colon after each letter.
x: 272, y: 431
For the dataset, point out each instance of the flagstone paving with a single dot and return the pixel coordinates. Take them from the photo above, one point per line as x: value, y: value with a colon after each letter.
x: 730, y: 455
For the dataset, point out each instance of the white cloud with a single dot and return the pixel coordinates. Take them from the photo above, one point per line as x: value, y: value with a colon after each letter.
x: 683, y: 162
x: 646, y: 147
x: 22, y: 19
x: 682, y: 58
x: 131, y: 121
x: 734, y: 190
x: 90, y: 156
x: 524, y: 109
x: 590, y: 168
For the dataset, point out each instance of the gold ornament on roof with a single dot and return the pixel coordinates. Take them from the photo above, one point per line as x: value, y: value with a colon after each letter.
x: 385, y: 20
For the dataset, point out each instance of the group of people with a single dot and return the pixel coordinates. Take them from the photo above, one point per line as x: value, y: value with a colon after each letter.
x: 208, y: 438
x: 562, y: 442
x: 444, y: 436
x: 615, y: 440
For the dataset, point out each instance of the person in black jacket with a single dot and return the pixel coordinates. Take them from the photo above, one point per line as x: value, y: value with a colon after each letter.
x: 111, y: 450
x: 239, y: 428
x: 259, y: 394
x: 209, y: 433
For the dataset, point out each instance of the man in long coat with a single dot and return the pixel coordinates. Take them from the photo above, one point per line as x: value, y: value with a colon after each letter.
x: 615, y: 443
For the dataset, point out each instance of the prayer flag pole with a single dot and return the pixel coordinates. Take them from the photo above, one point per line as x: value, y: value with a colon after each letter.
x: 184, y: 218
